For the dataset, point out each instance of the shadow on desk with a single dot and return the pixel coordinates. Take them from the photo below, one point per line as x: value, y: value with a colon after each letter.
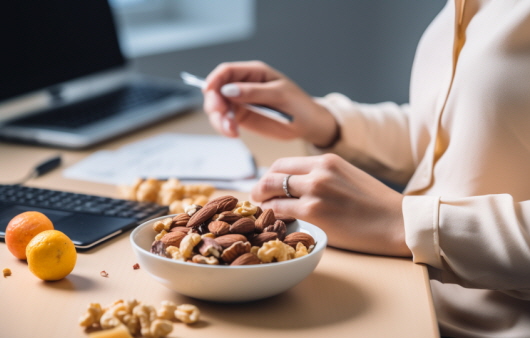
x: 298, y: 308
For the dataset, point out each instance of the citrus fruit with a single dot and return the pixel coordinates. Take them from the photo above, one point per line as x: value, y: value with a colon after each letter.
x: 22, y: 228
x: 51, y: 255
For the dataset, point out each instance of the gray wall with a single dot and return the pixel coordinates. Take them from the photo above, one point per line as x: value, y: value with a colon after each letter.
x: 361, y: 48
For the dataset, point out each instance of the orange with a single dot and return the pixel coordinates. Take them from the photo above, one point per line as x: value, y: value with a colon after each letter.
x: 51, y: 255
x: 22, y: 228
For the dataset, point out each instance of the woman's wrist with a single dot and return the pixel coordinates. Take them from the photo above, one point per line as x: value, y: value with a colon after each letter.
x: 327, y: 131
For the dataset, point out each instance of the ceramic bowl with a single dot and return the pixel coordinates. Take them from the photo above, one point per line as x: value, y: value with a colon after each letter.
x: 221, y: 283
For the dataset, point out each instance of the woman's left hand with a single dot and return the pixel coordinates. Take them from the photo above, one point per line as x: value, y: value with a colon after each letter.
x: 356, y: 211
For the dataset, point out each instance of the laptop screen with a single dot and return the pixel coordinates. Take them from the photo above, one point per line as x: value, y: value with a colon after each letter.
x: 45, y: 43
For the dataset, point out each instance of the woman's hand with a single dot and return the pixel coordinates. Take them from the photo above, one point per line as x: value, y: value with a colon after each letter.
x: 356, y: 211
x: 231, y: 84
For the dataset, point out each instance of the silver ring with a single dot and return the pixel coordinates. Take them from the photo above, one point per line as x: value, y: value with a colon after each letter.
x: 285, y: 186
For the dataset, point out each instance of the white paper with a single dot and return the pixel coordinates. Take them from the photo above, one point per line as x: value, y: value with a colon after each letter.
x: 215, y: 159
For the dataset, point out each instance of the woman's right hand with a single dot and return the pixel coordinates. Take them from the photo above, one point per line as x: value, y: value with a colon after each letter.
x: 231, y: 84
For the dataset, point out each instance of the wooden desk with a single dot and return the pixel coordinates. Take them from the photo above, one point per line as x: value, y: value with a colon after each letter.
x: 348, y: 295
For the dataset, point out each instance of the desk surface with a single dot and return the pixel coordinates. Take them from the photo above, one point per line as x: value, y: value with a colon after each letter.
x: 348, y: 295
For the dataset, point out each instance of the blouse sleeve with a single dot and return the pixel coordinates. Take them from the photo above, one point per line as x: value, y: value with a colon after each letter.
x: 374, y: 137
x: 478, y: 242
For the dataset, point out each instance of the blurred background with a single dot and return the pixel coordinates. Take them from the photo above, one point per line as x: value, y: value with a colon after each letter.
x: 363, y: 49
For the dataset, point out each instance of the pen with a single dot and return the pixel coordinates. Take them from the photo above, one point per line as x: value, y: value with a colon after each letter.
x: 42, y: 168
x: 276, y: 115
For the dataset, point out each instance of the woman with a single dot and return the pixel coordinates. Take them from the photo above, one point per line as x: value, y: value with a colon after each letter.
x: 462, y: 147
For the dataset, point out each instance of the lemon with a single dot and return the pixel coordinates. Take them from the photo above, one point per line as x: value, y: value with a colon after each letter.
x: 51, y: 255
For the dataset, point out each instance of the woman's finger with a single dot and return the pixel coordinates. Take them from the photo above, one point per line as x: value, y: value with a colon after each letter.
x: 279, y: 185
x: 285, y: 206
x: 248, y: 71
x: 294, y: 165
x: 266, y: 93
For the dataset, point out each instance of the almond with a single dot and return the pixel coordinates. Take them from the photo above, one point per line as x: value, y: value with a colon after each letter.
x: 259, y: 211
x: 242, y: 226
x: 265, y: 219
x: 228, y: 217
x: 278, y: 227
x: 227, y: 240
x: 185, y: 230
x: 246, y: 259
x: 180, y: 220
x: 293, y: 238
x: 223, y: 203
x: 203, y: 215
x: 173, y: 238
x: 286, y: 219
x: 219, y: 228
x: 264, y: 237
x: 234, y: 251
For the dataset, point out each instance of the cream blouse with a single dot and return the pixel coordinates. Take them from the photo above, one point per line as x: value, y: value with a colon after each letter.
x: 463, y: 146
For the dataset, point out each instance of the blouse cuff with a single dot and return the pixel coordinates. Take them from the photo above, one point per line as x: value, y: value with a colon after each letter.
x: 421, y: 216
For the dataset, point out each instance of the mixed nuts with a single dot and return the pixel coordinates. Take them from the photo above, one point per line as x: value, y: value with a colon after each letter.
x: 226, y: 231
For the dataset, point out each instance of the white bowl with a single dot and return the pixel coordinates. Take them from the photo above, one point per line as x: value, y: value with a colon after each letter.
x: 227, y: 283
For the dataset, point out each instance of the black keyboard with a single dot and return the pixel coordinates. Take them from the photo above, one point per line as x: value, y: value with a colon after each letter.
x: 85, y: 112
x: 88, y: 220
x: 78, y: 203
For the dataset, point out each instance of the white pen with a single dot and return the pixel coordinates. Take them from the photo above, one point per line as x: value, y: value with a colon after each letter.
x: 276, y: 115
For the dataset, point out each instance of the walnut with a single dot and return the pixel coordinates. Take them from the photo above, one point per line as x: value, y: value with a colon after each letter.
x: 167, y: 310
x: 170, y: 191
x: 160, y: 328
x: 275, y: 251
x: 192, y: 208
x: 186, y: 202
x: 92, y: 315
x: 160, y: 235
x: 129, y: 192
x: 254, y: 250
x: 205, y: 189
x: 188, y: 243
x: 176, y: 207
x: 200, y: 199
x: 301, y: 250
x: 163, y: 224
x: 245, y: 209
x: 148, y: 191
x: 112, y: 316
x: 175, y: 253
x: 187, y: 313
x: 150, y: 325
x: 138, y: 319
x: 200, y: 259
x: 128, y: 318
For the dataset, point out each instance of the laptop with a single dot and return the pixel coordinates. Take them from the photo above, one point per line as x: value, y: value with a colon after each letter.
x: 64, y: 81
x: 88, y: 220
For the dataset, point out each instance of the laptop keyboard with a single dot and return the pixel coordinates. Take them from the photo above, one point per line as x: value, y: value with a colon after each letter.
x: 80, y: 203
x: 89, y: 111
